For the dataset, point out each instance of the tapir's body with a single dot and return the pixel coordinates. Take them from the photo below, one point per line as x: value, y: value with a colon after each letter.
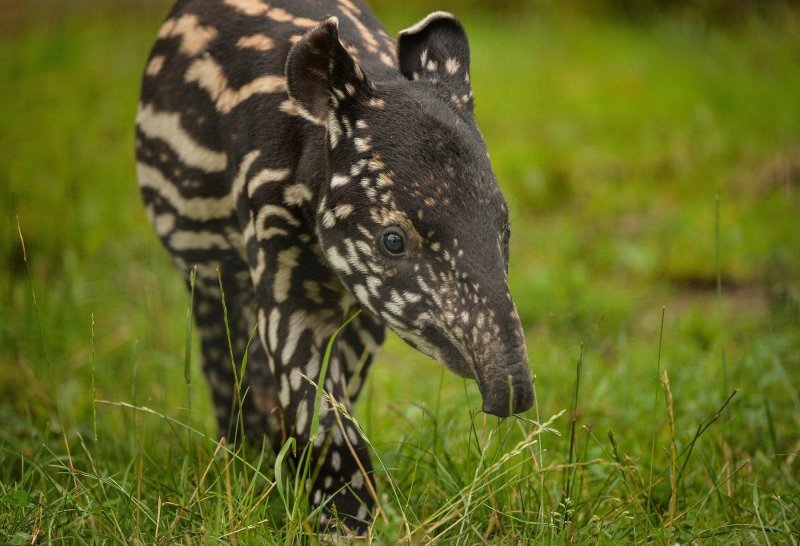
x: 324, y: 171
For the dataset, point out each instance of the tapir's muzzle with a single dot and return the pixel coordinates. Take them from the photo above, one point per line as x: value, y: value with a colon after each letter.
x: 508, y: 390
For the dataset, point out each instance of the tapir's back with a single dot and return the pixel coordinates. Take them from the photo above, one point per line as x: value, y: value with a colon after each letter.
x: 214, y: 89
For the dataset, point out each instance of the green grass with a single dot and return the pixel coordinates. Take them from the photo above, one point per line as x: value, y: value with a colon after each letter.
x: 613, y: 141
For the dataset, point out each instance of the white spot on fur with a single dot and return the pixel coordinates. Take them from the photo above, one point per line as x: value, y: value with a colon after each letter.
x: 362, y: 295
x: 384, y: 180
x: 312, y: 369
x: 328, y: 219
x: 357, y: 480
x: 295, y: 379
x: 259, y: 42
x: 257, y: 7
x: 358, y: 167
x: 337, y: 261
x: 353, y: 436
x: 273, y: 323
x: 373, y: 283
x: 296, y: 194
x: 343, y: 211
x: 163, y: 223
x: 249, y: 7
x: 339, y: 180
x: 393, y: 308
x: 155, y: 65
x: 364, y: 248
x: 283, y: 395
x: 362, y: 144
x: 300, y: 321
x: 451, y: 66
x: 302, y: 415
x: 334, y: 130
x: 375, y: 164
x: 287, y: 261
x: 411, y: 297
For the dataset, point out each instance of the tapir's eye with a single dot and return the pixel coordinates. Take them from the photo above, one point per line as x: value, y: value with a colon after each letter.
x: 393, y: 241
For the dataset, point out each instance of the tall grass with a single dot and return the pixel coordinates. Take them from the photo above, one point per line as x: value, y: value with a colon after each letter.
x: 651, y: 170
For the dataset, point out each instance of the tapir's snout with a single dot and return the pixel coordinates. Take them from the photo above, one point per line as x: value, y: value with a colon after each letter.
x: 508, y: 390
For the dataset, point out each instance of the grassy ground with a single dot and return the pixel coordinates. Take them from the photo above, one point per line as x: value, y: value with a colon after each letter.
x: 653, y: 173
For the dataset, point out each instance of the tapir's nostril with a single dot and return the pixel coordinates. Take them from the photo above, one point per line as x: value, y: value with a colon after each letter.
x: 509, y: 393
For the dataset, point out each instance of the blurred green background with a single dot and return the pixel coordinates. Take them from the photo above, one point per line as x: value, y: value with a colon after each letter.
x: 651, y: 155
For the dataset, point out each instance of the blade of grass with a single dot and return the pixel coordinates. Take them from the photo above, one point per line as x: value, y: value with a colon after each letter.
x: 187, y: 349
x: 94, y: 388
x: 39, y: 321
x: 650, y: 507
x: 700, y: 430
x: 567, y: 485
x: 673, y: 495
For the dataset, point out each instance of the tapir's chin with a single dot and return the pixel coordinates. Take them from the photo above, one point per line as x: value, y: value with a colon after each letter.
x: 507, y: 390
x: 439, y: 347
x: 454, y: 363
x: 458, y: 366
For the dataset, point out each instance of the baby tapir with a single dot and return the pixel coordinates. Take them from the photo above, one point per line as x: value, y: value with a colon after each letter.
x: 324, y: 169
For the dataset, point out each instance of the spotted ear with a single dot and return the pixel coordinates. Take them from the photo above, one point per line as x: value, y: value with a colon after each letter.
x: 437, y: 49
x: 320, y: 73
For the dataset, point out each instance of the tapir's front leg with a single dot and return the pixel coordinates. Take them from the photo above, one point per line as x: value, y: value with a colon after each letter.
x: 300, y: 304
x: 340, y: 468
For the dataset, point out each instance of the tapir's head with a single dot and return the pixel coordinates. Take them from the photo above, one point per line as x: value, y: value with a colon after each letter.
x: 412, y: 218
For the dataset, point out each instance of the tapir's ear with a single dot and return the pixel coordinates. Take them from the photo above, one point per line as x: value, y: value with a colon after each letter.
x: 320, y: 72
x: 437, y: 49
